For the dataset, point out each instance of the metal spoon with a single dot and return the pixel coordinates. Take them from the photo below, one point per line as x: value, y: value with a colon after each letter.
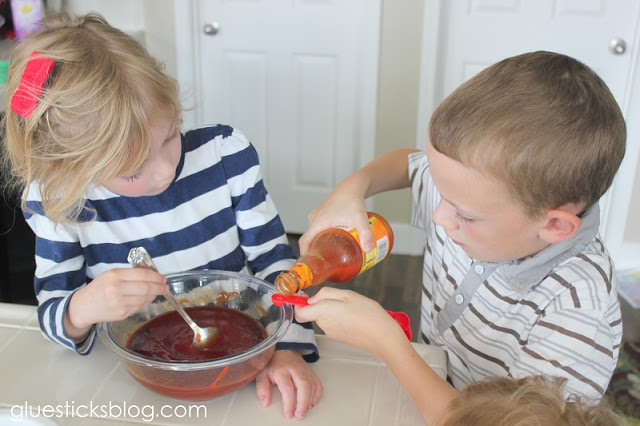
x: 203, y: 337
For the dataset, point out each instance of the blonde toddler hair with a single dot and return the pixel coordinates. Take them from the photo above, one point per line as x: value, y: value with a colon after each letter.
x: 529, y: 401
x: 92, y: 121
x: 542, y: 123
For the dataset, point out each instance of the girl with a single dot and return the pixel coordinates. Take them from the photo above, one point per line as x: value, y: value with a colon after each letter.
x: 93, y: 140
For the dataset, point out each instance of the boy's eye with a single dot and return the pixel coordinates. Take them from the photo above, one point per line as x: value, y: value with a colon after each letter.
x: 462, y: 218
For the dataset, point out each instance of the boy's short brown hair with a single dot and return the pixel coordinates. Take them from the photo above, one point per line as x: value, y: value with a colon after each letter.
x: 542, y: 123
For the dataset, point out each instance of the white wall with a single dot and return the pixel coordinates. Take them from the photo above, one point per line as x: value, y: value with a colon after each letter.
x: 149, y: 21
x: 400, y: 44
x: 127, y: 15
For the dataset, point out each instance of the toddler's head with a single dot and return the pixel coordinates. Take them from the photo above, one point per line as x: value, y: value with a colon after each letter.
x: 529, y: 401
x: 543, y: 124
x: 93, y: 119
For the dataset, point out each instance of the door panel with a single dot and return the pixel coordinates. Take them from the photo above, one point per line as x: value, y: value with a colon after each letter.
x: 289, y: 74
x: 472, y: 34
x: 478, y: 33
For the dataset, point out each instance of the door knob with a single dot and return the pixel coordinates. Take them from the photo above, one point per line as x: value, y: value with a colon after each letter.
x: 617, y: 46
x: 211, y: 29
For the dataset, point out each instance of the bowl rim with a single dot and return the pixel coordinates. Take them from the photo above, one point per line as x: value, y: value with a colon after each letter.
x: 278, y: 333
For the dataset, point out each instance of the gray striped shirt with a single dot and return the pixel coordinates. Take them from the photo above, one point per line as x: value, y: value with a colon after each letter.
x: 554, y: 313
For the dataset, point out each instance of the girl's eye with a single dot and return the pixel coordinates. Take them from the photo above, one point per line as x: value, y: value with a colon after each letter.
x: 462, y: 218
x: 171, y: 138
x: 134, y: 177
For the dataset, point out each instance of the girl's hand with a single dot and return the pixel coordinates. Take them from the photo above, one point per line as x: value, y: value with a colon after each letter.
x: 112, y: 296
x: 351, y: 318
x: 300, y: 387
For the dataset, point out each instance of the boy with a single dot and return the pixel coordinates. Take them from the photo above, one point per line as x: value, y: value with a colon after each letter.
x: 516, y: 279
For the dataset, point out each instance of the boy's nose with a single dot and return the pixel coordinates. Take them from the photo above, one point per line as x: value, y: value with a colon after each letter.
x: 445, y: 215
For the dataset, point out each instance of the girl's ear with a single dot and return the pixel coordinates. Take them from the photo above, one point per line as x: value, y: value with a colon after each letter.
x: 560, y: 225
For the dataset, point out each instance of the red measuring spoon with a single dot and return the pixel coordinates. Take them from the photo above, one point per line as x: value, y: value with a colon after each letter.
x: 280, y: 299
x: 400, y: 317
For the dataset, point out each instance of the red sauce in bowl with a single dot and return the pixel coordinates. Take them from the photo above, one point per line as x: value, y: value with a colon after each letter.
x: 168, y: 337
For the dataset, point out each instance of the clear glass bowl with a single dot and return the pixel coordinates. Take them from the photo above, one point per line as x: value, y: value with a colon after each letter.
x: 201, y: 380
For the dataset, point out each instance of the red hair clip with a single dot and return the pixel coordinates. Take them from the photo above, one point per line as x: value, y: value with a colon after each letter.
x: 35, y: 74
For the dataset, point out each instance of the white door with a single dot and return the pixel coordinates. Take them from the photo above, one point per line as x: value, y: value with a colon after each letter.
x: 299, y: 78
x: 464, y: 36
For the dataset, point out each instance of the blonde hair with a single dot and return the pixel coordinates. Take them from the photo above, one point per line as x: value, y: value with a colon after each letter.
x: 542, y: 123
x: 529, y: 401
x: 93, y: 119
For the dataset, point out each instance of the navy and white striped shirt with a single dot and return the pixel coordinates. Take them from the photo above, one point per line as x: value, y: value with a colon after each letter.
x: 216, y: 214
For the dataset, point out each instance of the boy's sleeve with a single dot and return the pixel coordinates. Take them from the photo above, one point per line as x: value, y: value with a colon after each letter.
x: 262, y: 235
x: 577, y: 337
x: 424, y: 196
x: 60, y: 271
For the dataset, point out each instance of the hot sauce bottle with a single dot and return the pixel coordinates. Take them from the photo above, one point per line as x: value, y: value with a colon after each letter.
x: 335, y: 255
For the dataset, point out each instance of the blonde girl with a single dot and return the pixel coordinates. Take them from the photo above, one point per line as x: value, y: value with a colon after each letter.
x: 93, y: 142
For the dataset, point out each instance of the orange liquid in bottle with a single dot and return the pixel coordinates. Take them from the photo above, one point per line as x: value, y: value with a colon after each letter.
x: 335, y: 255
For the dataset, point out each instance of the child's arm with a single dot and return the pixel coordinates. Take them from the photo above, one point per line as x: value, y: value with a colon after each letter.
x: 69, y: 302
x: 359, y: 321
x: 345, y: 204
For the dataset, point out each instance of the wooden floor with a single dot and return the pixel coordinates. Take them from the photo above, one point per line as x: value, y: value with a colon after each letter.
x: 395, y: 283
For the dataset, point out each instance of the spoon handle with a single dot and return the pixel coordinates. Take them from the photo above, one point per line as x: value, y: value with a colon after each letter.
x: 172, y: 300
x: 140, y: 258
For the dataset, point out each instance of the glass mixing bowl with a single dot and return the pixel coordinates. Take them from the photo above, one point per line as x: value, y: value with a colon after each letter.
x: 201, y: 380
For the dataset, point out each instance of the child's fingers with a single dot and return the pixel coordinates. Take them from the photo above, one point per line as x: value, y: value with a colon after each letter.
x: 263, y: 388
x: 306, y: 394
x: 303, y: 399
x: 305, y: 240
x: 317, y: 395
x: 319, y: 312
x: 329, y: 293
x: 142, y: 289
x: 287, y: 389
x: 140, y: 274
x: 364, y: 233
x: 308, y: 313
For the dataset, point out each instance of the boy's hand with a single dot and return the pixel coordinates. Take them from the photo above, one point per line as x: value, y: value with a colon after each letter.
x: 351, y: 318
x: 300, y: 387
x: 339, y: 208
x: 112, y: 296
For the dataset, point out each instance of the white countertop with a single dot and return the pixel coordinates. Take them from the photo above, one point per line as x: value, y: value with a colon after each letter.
x: 39, y: 375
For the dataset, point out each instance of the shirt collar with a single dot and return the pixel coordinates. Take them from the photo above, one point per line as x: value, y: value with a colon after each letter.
x: 522, y: 274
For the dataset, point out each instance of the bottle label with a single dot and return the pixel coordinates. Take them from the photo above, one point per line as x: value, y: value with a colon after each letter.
x: 303, y: 273
x: 380, y: 248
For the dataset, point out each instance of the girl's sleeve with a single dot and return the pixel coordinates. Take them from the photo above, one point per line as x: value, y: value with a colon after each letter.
x: 262, y: 235
x: 60, y: 271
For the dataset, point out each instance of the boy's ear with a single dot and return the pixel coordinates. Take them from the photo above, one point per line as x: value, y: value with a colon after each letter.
x: 560, y: 225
